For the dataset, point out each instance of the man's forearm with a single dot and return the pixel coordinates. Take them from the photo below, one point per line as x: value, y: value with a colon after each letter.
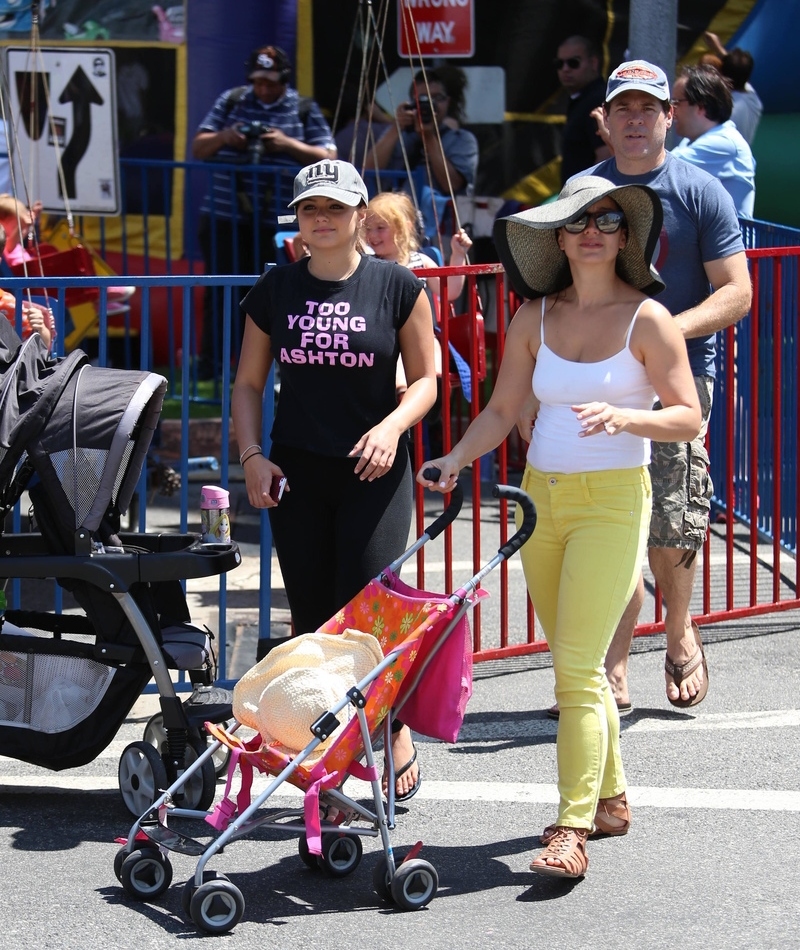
x: 721, y: 309
x: 447, y: 176
x: 381, y: 154
x: 206, y: 144
x: 306, y: 154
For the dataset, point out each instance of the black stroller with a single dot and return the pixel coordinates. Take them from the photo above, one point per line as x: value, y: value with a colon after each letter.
x: 75, y: 437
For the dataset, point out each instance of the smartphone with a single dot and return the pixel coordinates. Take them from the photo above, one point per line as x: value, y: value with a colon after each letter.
x: 277, y: 487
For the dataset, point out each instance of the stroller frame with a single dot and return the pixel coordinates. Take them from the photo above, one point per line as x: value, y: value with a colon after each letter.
x: 76, y: 437
x: 332, y: 843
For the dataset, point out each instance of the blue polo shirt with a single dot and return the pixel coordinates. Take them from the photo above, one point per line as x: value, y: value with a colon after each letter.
x: 724, y: 154
x: 311, y: 128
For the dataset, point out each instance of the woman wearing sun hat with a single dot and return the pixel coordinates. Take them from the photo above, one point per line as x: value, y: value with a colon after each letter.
x: 598, y: 351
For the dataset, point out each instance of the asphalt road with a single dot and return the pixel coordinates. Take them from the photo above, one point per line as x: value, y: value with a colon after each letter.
x: 711, y: 859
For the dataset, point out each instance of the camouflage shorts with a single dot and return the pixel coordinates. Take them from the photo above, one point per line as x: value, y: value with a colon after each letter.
x: 682, y: 486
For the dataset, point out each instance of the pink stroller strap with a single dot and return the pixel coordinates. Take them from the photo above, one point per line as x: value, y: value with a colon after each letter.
x: 224, y: 810
x: 323, y: 780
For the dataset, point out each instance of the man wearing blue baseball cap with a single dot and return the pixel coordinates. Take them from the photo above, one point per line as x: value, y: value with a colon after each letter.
x: 700, y: 245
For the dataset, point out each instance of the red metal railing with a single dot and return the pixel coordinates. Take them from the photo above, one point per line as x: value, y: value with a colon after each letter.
x: 749, y: 563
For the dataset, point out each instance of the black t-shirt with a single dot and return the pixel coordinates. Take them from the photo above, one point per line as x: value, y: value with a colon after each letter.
x: 581, y: 139
x: 337, y: 345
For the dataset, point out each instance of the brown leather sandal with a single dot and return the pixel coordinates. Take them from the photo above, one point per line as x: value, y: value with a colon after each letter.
x: 565, y: 856
x: 613, y: 817
x: 680, y: 673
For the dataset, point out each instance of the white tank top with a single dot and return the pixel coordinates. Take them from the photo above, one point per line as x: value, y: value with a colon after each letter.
x: 620, y: 380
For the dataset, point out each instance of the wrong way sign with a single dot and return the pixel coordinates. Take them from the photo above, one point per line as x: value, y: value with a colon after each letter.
x: 64, y: 109
x: 435, y: 28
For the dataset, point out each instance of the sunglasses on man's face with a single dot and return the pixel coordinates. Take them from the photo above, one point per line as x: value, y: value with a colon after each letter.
x: 609, y: 222
x: 572, y: 61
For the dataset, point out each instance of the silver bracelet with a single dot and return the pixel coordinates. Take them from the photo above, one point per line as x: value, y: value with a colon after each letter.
x: 248, y: 457
x: 242, y: 454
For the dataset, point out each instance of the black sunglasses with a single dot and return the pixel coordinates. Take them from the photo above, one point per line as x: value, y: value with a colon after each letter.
x: 572, y: 61
x: 609, y: 222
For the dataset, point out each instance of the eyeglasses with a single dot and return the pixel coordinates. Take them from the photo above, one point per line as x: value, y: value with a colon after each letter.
x: 675, y: 102
x: 572, y: 61
x: 609, y: 222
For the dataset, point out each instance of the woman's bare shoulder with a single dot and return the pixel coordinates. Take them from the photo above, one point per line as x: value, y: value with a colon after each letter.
x: 653, y: 314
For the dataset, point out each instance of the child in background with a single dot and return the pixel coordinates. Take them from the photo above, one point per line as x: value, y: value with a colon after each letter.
x: 391, y: 230
x: 36, y: 318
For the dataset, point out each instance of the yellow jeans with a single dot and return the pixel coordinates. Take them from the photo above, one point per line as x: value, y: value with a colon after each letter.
x: 581, y: 566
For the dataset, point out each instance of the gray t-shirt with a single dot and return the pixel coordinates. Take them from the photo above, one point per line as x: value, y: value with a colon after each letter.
x: 700, y: 225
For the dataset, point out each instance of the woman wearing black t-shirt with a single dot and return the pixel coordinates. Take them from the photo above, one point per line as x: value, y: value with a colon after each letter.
x: 336, y: 323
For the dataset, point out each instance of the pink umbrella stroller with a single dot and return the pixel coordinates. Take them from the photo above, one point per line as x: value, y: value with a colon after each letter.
x: 391, y: 650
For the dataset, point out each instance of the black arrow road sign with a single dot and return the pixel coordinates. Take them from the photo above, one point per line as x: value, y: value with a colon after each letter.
x: 82, y: 94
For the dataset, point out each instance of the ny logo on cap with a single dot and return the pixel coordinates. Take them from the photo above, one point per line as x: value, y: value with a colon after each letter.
x: 324, y: 171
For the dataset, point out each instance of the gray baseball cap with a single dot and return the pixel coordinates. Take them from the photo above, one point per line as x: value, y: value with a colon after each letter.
x: 330, y: 179
x: 639, y: 75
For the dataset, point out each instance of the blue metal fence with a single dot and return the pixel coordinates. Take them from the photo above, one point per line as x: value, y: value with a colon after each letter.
x: 257, y: 193
x: 754, y: 429
x: 754, y: 437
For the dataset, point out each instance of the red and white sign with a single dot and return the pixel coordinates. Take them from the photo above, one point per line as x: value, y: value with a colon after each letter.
x: 435, y: 28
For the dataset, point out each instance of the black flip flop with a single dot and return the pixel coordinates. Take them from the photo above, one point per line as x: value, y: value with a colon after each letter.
x: 415, y: 787
x: 625, y: 709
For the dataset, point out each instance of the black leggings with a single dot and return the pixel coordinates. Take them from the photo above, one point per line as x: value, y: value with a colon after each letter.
x: 333, y: 533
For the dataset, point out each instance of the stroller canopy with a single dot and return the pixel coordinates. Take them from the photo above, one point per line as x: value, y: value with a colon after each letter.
x: 85, y: 429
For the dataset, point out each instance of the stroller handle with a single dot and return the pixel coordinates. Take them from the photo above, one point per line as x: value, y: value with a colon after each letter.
x: 524, y: 500
x: 449, y: 515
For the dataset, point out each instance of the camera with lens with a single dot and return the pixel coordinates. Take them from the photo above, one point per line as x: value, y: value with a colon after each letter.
x: 424, y: 109
x: 253, y: 131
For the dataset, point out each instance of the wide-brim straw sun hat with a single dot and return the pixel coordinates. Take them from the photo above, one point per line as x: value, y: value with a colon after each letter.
x: 536, y: 266
x: 294, y: 684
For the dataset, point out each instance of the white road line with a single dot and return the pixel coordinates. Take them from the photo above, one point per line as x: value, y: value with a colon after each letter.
x: 496, y: 731
x: 710, y: 799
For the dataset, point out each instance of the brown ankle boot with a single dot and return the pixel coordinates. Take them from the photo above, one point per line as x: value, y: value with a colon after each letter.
x: 613, y: 816
x: 565, y: 855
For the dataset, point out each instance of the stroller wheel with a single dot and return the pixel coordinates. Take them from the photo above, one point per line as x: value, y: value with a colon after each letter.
x: 309, y: 859
x: 381, y: 881
x: 154, y: 732
x: 142, y: 777
x: 146, y: 873
x: 217, y: 906
x: 199, y: 789
x: 222, y: 757
x: 341, y: 853
x: 414, y: 884
x: 119, y: 857
x: 156, y: 735
x: 189, y: 888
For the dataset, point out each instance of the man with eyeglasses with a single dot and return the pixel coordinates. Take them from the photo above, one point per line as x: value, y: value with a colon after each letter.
x: 702, y: 105
x: 701, y: 259
x: 578, y: 65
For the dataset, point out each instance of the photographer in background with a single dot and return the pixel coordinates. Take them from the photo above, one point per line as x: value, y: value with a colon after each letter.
x: 264, y: 122
x: 427, y: 131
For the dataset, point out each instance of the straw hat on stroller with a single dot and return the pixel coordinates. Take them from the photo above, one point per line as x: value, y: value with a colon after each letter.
x: 536, y: 265
x: 283, y: 694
